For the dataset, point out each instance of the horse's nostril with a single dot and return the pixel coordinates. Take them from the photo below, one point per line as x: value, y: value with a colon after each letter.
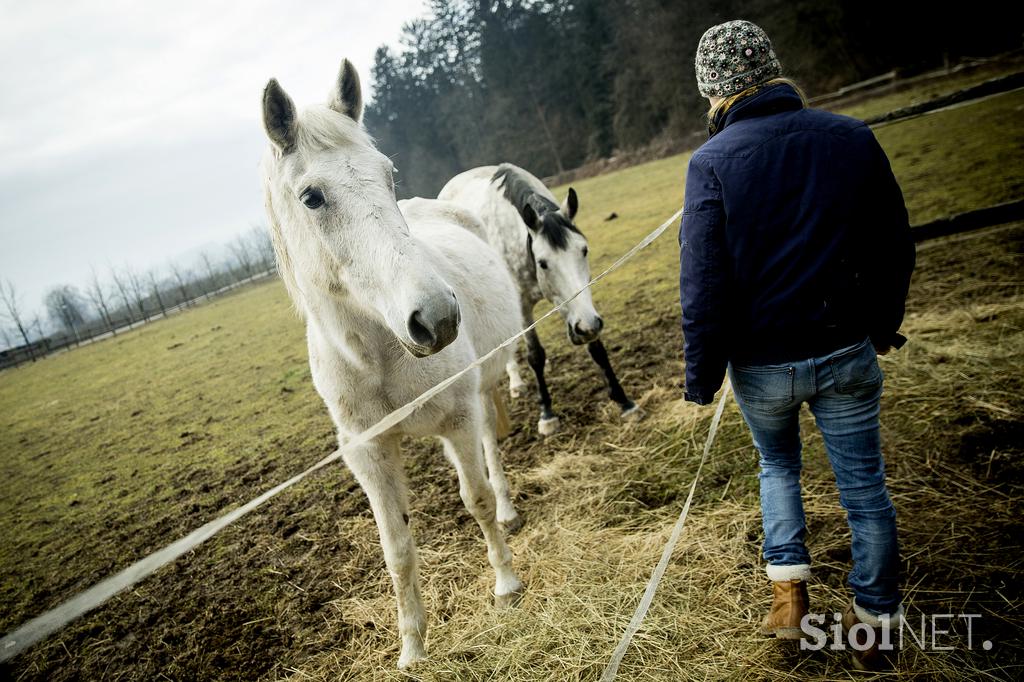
x: 447, y: 329
x: 598, y: 324
x: 419, y: 331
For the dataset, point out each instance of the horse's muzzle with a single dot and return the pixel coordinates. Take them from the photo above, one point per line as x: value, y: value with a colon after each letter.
x: 433, y: 326
x: 580, y: 335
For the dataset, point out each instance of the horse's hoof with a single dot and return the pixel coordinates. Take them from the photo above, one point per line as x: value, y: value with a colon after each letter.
x: 511, y: 599
x: 411, y: 656
x: 632, y: 413
x: 548, y: 427
x: 517, y: 391
x: 512, y: 525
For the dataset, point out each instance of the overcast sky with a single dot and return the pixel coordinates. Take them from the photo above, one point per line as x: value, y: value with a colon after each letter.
x: 130, y: 131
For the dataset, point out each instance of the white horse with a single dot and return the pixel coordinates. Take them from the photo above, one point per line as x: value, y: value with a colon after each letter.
x: 547, y: 255
x: 397, y: 296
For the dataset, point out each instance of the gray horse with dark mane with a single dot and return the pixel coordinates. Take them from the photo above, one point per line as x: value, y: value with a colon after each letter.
x: 547, y: 255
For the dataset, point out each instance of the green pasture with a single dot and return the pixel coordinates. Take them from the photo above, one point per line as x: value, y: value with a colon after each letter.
x: 112, y: 450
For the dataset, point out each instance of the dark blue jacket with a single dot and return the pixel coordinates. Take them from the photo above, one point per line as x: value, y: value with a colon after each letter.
x: 794, y: 240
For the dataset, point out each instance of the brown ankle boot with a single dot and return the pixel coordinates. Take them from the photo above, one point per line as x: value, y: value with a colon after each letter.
x: 789, y: 606
x: 867, y: 657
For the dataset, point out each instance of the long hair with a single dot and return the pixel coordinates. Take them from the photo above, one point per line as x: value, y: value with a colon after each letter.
x: 717, y: 112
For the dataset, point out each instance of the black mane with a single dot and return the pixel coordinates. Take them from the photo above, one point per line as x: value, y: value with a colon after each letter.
x: 518, y: 191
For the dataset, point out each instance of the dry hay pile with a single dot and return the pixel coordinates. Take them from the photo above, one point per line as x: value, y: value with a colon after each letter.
x: 600, y: 501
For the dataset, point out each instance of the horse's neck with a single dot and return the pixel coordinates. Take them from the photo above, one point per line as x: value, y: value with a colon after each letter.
x: 357, y: 338
x: 507, y: 234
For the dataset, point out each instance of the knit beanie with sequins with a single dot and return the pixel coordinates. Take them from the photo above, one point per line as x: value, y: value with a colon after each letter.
x: 732, y: 57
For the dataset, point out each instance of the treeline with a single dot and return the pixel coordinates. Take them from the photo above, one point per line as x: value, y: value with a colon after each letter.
x: 118, y: 298
x: 552, y: 84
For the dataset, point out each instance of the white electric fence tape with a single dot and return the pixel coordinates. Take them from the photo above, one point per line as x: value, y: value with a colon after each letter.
x: 53, y: 620
x: 666, y: 554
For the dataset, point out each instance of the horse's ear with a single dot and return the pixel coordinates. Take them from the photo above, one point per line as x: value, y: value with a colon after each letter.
x: 279, y: 118
x: 570, y: 205
x: 347, y: 95
x: 530, y: 218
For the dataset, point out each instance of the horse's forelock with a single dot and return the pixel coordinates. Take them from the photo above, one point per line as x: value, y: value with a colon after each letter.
x: 320, y: 128
x: 556, y: 228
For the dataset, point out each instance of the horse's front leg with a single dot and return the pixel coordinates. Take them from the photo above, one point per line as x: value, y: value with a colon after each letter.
x: 506, y: 512
x: 615, y: 391
x: 536, y: 356
x: 378, y: 468
x: 462, y: 447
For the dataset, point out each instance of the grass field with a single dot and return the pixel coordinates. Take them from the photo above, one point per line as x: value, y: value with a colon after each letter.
x: 113, y: 450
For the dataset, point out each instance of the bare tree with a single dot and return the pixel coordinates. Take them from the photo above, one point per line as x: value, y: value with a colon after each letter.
x: 240, y: 250
x: 97, y: 295
x: 156, y: 292
x: 121, y: 284
x: 37, y: 325
x: 12, y: 312
x: 137, y: 290
x: 262, y: 246
x: 181, y: 277
x: 66, y: 308
x: 211, y: 272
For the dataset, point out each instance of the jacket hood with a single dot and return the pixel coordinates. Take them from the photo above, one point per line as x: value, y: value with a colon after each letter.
x: 770, y: 100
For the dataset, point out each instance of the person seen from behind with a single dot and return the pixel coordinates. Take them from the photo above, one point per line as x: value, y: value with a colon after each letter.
x: 795, y: 262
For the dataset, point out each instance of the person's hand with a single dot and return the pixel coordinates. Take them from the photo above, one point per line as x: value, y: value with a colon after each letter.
x: 883, y: 350
x: 698, y: 399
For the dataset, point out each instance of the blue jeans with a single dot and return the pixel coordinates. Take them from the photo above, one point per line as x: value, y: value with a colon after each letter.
x: 842, y: 390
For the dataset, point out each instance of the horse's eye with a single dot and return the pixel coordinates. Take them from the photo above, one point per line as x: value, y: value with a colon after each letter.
x: 585, y: 251
x: 543, y: 264
x: 312, y: 198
